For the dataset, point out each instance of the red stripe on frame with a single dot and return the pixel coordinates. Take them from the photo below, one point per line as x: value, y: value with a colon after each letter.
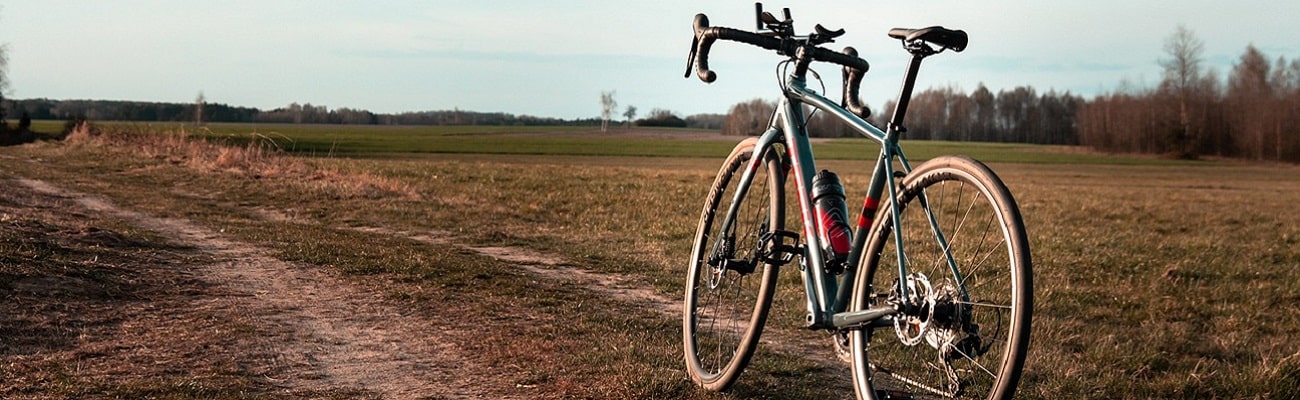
x: 869, y: 207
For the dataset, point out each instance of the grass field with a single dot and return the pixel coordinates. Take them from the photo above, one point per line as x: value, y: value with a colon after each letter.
x: 1155, y: 279
x: 402, y: 141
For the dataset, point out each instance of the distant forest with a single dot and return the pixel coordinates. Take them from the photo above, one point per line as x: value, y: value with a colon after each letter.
x: 110, y: 110
x: 113, y: 110
x: 1019, y: 115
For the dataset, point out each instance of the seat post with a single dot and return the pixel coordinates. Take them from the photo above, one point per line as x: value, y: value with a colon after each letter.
x: 905, y: 94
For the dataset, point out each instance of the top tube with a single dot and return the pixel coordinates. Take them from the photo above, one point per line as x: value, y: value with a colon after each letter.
x: 799, y: 90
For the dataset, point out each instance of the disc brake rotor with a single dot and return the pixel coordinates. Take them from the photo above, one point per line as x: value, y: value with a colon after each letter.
x: 912, y: 327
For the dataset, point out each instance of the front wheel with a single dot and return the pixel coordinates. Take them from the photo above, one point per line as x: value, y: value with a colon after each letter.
x: 963, y: 328
x: 731, y: 280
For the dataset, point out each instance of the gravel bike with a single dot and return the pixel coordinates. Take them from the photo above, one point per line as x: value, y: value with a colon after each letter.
x: 928, y: 296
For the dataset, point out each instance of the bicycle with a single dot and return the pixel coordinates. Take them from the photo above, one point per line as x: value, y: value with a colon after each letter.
x: 939, y: 254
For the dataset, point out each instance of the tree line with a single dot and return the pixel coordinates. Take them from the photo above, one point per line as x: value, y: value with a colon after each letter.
x: 111, y: 110
x: 295, y: 113
x: 1019, y: 115
x: 48, y: 109
x: 1253, y: 113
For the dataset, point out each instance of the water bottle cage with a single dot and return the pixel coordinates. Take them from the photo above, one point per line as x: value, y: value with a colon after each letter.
x: 834, y: 266
x: 781, y: 247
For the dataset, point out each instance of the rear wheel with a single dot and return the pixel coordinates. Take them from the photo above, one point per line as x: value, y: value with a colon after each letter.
x: 964, y: 328
x: 730, y: 283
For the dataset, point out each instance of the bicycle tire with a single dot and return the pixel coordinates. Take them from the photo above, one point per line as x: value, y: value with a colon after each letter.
x: 995, y: 270
x: 720, y: 333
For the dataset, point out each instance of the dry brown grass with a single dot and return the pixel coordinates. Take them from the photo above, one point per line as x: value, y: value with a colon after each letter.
x: 551, y: 339
x: 258, y: 157
x: 88, y: 311
x: 1153, y: 281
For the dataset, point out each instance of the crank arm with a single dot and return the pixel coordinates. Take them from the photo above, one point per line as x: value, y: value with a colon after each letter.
x: 875, y: 317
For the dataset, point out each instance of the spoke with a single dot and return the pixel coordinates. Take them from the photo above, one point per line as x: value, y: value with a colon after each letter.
x: 973, y: 303
x: 961, y: 222
x: 976, y: 363
x: 961, y: 189
x: 983, y: 261
x: 734, y: 322
x: 713, y: 328
x: 964, y: 217
x: 976, y: 252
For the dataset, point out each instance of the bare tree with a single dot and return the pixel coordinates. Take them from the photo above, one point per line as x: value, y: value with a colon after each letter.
x: 198, y: 108
x: 1016, y: 108
x: 4, y: 79
x: 607, y: 105
x: 1182, y: 79
x: 986, y: 112
x: 1249, y: 94
x: 748, y: 118
x: 629, y: 113
x: 1286, y: 122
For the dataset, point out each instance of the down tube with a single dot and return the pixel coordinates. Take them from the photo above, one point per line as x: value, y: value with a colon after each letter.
x: 820, y: 290
x: 889, y: 150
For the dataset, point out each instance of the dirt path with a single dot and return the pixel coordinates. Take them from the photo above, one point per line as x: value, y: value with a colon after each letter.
x: 317, y: 330
x: 815, y: 345
x: 324, y: 331
x: 552, y: 267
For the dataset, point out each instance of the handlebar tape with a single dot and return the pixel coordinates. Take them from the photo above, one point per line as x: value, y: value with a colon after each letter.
x: 706, y: 35
x: 852, y: 81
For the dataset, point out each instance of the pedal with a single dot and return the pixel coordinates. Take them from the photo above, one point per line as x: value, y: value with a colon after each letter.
x: 782, y: 247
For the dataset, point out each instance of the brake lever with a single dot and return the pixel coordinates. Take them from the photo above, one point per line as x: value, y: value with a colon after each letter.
x: 690, y: 58
x: 827, y: 33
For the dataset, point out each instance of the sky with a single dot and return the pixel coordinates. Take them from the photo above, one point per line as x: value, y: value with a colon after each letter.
x: 554, y: 58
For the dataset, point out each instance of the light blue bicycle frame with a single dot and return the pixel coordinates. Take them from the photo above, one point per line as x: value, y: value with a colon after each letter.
x: 828, y: 296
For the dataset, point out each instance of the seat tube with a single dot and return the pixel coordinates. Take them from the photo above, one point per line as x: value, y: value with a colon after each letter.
x: 819, y: 288
x: 866, y: 219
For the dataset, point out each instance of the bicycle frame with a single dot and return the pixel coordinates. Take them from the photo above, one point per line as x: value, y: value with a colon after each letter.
x: 853, y: 295
x: 828, y: 296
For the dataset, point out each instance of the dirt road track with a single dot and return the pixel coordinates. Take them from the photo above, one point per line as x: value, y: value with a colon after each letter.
x: 323, y: 332
x: 318, y: 331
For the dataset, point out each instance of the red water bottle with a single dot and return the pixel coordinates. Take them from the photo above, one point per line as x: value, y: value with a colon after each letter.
x: 832, y: 215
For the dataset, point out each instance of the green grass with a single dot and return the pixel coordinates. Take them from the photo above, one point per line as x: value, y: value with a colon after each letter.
x: 46, y: 126
x: 400, y: 141
x: 919, y: 150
